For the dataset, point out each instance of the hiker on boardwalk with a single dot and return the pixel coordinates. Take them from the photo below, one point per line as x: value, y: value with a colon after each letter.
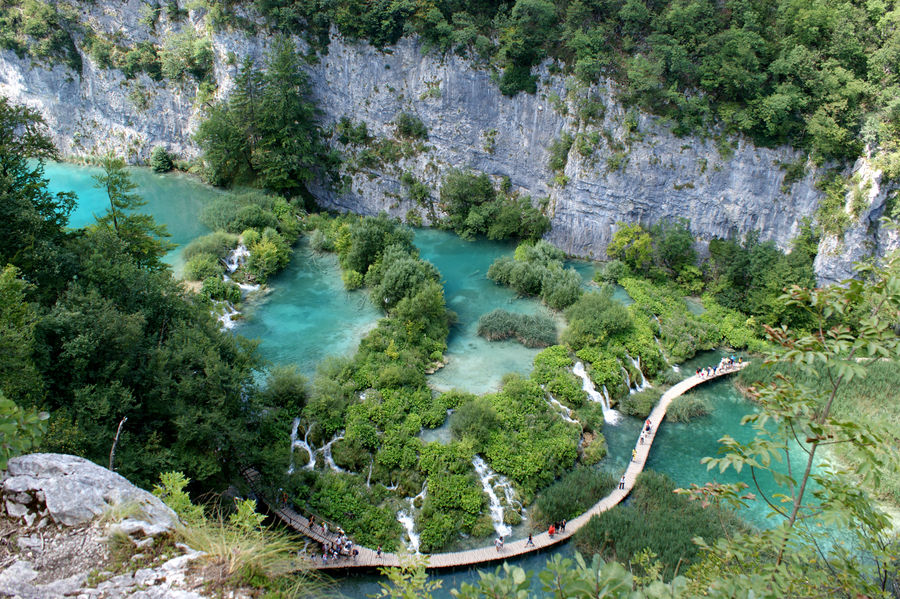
x: 552, y: 531
x: 378, y: 552
x: 634, y: 455
x: 562, y: 526
x: 622, y: 482
x: 530, y: 541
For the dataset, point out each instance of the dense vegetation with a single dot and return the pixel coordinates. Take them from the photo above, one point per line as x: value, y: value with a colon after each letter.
x: 815, y: 74
x: 531, y: 330
x: 474, y: 208
x: 90, y: 351
x: 537, y: 269
x: 658, y: 520
x: 572, y: 495
x: 265, y: 133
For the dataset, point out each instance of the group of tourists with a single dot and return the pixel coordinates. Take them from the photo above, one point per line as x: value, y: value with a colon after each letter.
x: 341, y: 547
x: 725, y: 364
x: 557, y: 527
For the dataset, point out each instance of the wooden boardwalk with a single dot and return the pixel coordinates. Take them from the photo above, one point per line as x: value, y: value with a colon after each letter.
x: 368, y: 558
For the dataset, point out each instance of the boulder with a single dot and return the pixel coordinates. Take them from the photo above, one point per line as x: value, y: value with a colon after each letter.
x: 75, y: 491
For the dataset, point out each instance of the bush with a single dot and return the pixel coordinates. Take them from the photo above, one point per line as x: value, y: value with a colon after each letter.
x: 161, y: 160
x: 594, y: 451
x: 594, y: 318
x: 218, y: 289
x: 687, y: 407
x: 203, y: 266
x: 657, y: 519
x: 640, y: 404
x: 218, y: 244
x: 549, y: 362
x: 530, y: 330
x: 235, y: 213
x: 572, y: 495
x: 410, y: 126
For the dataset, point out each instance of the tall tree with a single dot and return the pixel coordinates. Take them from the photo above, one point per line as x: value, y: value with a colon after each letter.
x: 142, y: 235
x: 32, y: 220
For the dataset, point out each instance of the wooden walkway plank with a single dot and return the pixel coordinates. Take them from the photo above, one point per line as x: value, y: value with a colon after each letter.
x: 368, y: 558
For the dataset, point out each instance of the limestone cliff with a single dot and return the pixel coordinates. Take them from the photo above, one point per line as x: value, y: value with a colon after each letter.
x: 627, y: 167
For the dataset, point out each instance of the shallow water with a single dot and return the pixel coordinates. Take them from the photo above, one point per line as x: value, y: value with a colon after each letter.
x: 173, y: 199
x: 308, y: 315
x: 475, y: 364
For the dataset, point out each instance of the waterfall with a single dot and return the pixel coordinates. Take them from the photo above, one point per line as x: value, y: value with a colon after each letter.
x: 295, y: 442
x: 610, y: 415
x: 236, y: 258
x: 406, y: 519
x: 644, y: 384
x: 564, y: 412
x: 227, y: 316
x: 326, y: 453
x: 490, y: 483
x: 408, y: 522
x: 663, y: 354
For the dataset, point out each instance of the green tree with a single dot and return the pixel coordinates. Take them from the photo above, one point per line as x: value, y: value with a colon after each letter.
x: 18, y: 374
x: 632, y: 245
x: 32, y: 220
x: 140, y: 233
x: 20, y: 430
x: 265, y: 134
x: 853, y: 327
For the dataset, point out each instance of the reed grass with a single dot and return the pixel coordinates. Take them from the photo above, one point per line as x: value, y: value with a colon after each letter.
x: 530, y: 330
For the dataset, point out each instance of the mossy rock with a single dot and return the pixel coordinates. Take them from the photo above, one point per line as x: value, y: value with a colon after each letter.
x: 484, y: 527
x: 512, y: 517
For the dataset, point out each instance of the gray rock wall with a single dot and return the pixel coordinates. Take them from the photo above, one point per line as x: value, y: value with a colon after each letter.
x: 664, y: 176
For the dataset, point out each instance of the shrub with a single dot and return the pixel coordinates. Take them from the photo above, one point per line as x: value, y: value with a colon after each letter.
x: 572, y: 495
x: 218, y: 289
x: 549, y: 362
x: 640, y: 404
x: 687, y: 407
x: 559, y: 152
x: 161, y: 160
x: 530, y: 330
x: 594, y: 318
x: 268, y: 255
x: 594, y: 451
x: 657, y: 519
x: 203, y: 266
x: 218, y: 244
x: 410, y: 126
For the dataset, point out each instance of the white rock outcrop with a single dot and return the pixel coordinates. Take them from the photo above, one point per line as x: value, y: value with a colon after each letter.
x: 72, y: 491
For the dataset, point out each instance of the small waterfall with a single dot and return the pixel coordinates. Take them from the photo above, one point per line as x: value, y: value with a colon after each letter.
x: 409, y: 523
x: 227, y: 316
x: 295, y: 442
x: 610, y: 415
x: 490, y: 480
x: 326, y: 453
x: 663, y: 354
x: 236, y: 258
x: 564, y: 411
x: 644, y: 384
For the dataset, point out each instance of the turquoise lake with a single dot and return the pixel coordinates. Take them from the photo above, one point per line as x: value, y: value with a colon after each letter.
x: 307, y: 316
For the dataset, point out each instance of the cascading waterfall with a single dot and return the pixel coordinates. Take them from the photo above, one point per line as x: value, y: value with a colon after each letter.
x: 663, y: 354
x: 227, y: 316
x: 408, y: 522
x: 325, y: 450
x: 490, y: 479
x: 610, y: 415
x: 236, y: 258
x: 295, y: 442
x: 564, y: 412
x: 326, y: 453
x: 644, y: 384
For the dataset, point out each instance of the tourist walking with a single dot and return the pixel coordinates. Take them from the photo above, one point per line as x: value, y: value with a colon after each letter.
x: 552, y: 531
x: 530, y: 541
x: 378, y: 552
x: 634, y: 455
x: 622, y: 482
x: 562, y: 526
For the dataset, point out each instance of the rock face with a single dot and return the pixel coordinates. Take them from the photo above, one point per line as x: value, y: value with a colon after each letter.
x: 73, y: 491
x: 627, y: 167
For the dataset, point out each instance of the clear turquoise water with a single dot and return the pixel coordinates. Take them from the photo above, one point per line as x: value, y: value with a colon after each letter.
x: 308, y: 315
x: 173, y: 199
x: 476, y: 365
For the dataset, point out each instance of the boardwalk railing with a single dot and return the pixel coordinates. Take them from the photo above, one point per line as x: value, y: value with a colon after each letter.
x: 368, y: 558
